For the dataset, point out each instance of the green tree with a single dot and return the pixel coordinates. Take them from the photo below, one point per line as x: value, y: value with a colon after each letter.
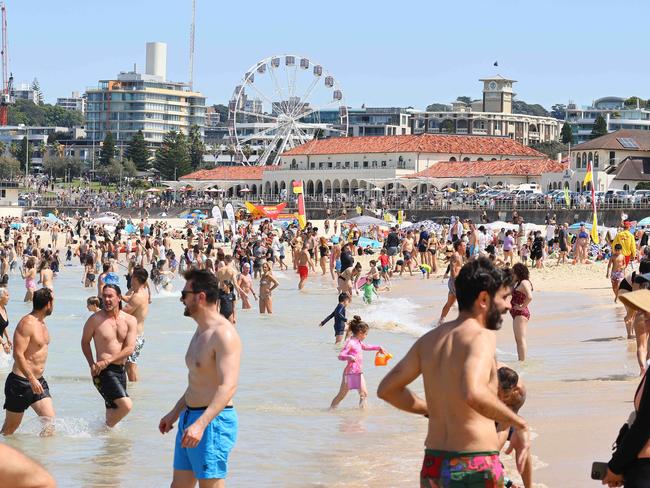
x: 113, y: 171
x: 465, y: 99
x: 107, y: 153
x: 36, y: 86
x: 130, y: 169
x: 558, y: 111
x: 600, y: 127
x: 3, y: 148
x: 173, y: 157
x: 24, y: 151
x: 633, y: 102
x: 438, y: 107
x: 247, y: 150
x: 137, y: 152
x: 231, y: 150
x: 28, y: 113
x: 196, y: 146
x: 222, y: 110
x: 9, y: 167
x: 521, y: 107
x: 447, y: 126
x: 566, y: 135
x: 551, y: 149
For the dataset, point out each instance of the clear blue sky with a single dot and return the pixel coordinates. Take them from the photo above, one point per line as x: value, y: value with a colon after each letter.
x: 383, y: 53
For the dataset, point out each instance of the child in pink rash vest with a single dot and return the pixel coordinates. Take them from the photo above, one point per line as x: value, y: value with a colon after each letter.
x: 352, y: 352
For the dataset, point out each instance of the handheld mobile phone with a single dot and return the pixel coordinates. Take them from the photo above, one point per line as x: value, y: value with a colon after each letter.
x: 598, y: 470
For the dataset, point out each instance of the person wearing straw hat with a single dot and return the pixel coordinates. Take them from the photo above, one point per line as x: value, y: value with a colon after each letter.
x: 630, y: 463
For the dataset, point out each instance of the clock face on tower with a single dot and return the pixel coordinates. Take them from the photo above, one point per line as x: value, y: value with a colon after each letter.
x: 492, y: 85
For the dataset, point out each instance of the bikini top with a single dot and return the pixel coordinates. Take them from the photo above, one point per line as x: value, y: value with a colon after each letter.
x: 4, y: 323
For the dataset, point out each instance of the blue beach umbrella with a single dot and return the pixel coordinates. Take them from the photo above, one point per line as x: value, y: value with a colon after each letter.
x: 644, y: 222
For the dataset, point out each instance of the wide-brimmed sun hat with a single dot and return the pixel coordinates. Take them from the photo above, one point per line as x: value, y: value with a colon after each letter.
x: 638, y: 300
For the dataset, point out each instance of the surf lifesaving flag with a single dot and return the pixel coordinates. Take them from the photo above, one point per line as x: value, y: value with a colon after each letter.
x: 589, y: 178
x: 302, y: 217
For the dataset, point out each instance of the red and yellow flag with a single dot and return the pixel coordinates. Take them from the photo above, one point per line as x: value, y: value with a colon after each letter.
x: 298, y: 190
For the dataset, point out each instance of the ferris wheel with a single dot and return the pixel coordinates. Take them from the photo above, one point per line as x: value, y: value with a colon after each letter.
x: 282, y: 102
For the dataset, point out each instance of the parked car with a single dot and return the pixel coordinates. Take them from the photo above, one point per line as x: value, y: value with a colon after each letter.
x: 641, y: 197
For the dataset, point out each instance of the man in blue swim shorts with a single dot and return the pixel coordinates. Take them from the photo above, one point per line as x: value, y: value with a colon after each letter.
x: 207, y: 420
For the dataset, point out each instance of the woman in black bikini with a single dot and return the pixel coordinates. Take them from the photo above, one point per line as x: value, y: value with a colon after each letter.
x: 4, y: 320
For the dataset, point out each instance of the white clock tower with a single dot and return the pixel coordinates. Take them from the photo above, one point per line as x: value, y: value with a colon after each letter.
x: 497, y: 94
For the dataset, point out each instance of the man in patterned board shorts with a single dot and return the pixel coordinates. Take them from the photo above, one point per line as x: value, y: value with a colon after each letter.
x: 459, y: 370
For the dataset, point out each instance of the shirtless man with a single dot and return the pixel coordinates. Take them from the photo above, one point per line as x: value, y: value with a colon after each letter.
x: 113, y: 332
x: 137, y: 304
x: 228, y: 273
x: 246, y: 286
x: 455, y: 264
x: 25, y: 386
x: 408, y: 245
x: 304, y: 262
x: 208, y: 422
x: 457, y: 362
x: 46, y: 275
x: 616, y: 269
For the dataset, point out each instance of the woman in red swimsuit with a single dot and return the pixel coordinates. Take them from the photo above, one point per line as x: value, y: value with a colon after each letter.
x: 522, y: 295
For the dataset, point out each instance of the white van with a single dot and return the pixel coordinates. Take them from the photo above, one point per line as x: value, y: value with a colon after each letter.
x: 529, y: 188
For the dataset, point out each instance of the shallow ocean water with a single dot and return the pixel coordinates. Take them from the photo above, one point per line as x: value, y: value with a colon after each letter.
x: 290, y: 372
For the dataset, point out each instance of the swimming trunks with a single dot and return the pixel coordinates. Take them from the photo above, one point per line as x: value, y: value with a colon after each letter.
x: 208, y: 460
x: 446, y: 469
x: 451, y: 286
x: 407, y: 256
x: 139, y: 344
x: 111, y: 384
x: 303, y: 271
x: 392, y: 250
x: 19, y: 395
x: 617, y: 276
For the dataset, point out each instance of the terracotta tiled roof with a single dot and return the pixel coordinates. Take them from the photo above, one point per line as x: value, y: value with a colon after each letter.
x: 519, y: 167
x: 229, y: 173
x: 612, y: 141
x: 423, y: 143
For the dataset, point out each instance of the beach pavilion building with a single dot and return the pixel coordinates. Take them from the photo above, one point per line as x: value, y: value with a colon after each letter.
x: 345, y: 165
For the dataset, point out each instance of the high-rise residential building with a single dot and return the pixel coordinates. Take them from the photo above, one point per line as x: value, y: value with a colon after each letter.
x: 74, y: 102
x: 143, y: 101
x: 619, y: 113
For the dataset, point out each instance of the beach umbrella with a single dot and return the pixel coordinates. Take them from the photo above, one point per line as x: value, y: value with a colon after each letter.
x: 449, y: 190
x: 379, y: 190
x: 644, y: 222
x: 244, y: 190
x: 153, y: 190
x: 366, y: 221
x: 499, y: 224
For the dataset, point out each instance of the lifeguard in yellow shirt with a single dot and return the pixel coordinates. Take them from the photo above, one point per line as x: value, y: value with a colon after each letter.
x: 627, y: 242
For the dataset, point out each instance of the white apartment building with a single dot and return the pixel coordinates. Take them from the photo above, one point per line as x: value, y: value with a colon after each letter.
x: 74, y: 102
x: 617, y: 114
x: 143, y: 101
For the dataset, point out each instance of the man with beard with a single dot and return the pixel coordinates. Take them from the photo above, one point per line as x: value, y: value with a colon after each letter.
x: 25, y: 386
x: 208, y: 422
x: 114, y: 333
x: 458, y: 365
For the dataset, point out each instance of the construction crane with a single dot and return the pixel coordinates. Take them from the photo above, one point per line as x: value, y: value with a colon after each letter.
x: 7, y: 95
x: 192, y: 27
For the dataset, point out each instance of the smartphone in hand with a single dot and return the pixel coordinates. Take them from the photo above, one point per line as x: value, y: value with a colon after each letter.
x: 598, y: 470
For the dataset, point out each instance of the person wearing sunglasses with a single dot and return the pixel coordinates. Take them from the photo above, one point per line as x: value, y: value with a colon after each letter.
x: 208, y: 421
